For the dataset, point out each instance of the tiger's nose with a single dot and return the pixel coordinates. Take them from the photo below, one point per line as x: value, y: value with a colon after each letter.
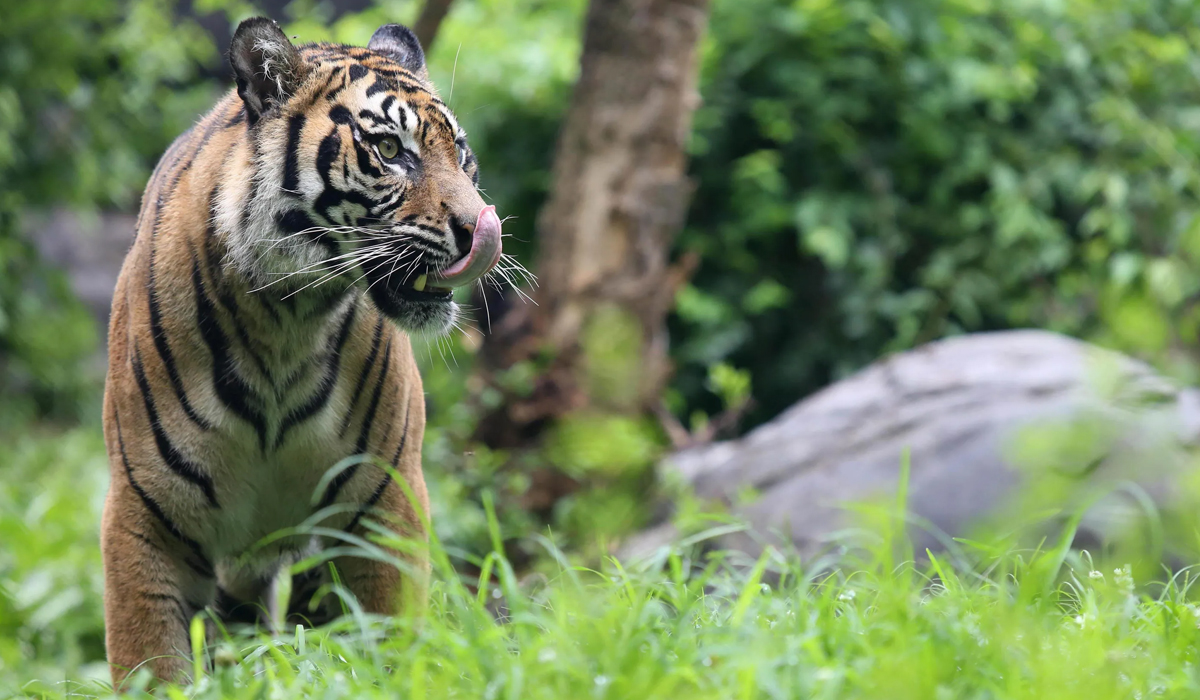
x: 482, y: 254
x: 462, y: 231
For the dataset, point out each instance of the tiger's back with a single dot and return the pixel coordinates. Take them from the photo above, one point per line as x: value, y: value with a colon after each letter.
x: 254, y: 342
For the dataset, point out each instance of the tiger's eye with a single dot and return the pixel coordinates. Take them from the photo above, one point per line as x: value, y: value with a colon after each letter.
x: 388, y: 147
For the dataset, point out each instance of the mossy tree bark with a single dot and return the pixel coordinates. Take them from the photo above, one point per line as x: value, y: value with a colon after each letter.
x: 620, y: 194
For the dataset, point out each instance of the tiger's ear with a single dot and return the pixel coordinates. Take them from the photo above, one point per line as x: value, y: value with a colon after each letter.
x: 268, y: 69
x: 398, y: 43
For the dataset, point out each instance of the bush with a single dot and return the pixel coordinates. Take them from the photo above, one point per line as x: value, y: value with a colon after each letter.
x: 875, y: 174
x: 91, y: 92
x: 51, y: 580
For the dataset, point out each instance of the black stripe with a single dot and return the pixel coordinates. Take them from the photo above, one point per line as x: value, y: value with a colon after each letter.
x: 357, y: 72
x: 237, y: 118
x: 184, y: 616
x: 369, y: 419
x: 379, y: 86
x: 291, y: 163
x: 362, y: 377
x: 319, y: 302
x: 387, y: 478
x: 268, y: 304
x: 175, y: 461
x: 395, y: 461
x: 231, y: 389
x: 339, y: 114
x: 429, y: 229
x: 214, y: 125
x: 253, y: 193
x: 375, y: 496
x: 327, y: 153
x: 337, y: 90
x: 231, y: 309
x: 390, y: 79
x: 364, y: 161
x: 328, y: 380
x: 156, y: 178
x: 205, y: 569
x: 295, y: 221
x: 159, y: 334
x: 143, y: 537
x: 332, y: 197
x: 321, y: 90
x: 347, y: 474
x: 374, y: 118
x: 394, y: 202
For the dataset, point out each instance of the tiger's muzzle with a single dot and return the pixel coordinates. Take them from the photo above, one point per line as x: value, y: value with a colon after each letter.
x: 421, y: 299
x: 484, y: 254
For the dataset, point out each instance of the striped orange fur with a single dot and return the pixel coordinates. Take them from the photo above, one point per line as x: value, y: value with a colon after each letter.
x: 285, y: 247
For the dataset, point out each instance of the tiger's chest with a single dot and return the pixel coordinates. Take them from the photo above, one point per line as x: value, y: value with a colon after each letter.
x: 284, y: 451
x: 266, y: 494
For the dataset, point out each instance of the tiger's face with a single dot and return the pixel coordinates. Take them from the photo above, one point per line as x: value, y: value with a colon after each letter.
x: 363, y: 177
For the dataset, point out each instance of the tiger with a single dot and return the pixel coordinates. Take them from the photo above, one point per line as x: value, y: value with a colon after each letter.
x: 288, y: 246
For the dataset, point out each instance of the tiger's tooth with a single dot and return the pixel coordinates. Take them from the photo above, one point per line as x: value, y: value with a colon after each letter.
x: 419, y: 285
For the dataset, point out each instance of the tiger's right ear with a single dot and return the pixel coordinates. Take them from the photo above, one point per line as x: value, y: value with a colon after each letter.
x: 268, y: 69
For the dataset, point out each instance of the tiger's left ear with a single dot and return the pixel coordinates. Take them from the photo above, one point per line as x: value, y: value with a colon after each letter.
x: 268, y: 69
x: 398, y: 43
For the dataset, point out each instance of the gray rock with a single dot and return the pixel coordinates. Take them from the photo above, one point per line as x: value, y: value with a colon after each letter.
x: 980, y: 416
x: 88, y: 247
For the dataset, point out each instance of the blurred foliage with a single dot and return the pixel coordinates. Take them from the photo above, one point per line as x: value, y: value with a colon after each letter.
x: 876, y: 174
x: 91, y: 92
x: 50, y: 574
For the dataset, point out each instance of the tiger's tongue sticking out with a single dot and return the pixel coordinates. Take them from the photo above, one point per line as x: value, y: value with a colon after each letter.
x: 483, y: 256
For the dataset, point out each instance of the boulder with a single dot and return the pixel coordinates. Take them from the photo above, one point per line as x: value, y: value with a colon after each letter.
x: 88, y: 247
x: 979, y: 417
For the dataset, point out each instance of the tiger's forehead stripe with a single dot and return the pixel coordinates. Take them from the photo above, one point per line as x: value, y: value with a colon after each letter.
x: 335, y: 55
x: 413, y: 113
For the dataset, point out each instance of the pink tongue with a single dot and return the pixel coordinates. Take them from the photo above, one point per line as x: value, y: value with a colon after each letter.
x: 483, y: 256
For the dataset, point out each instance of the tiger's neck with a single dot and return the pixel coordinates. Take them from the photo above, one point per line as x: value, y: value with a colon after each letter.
x: 282, y: 307
x: 284, y: 329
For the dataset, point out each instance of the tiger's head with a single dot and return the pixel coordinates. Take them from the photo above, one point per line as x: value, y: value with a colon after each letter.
x: 357, y: 176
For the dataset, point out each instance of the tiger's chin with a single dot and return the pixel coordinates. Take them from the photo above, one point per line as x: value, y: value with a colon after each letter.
x: 429, y: 311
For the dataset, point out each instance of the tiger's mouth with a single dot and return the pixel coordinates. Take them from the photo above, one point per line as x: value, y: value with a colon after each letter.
x: 408, y: 300
x: 421, y: 298
x: 425, y: 284
x: 485, y: 252
x: 416, y: 287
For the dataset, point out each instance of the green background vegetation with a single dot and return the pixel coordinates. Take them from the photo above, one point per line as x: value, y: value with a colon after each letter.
x: 870, y: 175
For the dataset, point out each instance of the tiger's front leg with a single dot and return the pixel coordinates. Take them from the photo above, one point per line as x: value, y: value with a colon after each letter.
x: 381, y: 587
x: 153, y: 587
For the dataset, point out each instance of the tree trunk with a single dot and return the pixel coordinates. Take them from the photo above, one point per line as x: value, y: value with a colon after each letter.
x: 620, y: 195
x: 430, y: 19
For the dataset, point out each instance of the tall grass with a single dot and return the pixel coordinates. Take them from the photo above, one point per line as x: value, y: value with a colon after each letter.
x: 1040, y: 623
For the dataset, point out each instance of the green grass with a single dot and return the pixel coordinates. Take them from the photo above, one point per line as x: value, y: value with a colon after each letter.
x: 1043, y: 623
